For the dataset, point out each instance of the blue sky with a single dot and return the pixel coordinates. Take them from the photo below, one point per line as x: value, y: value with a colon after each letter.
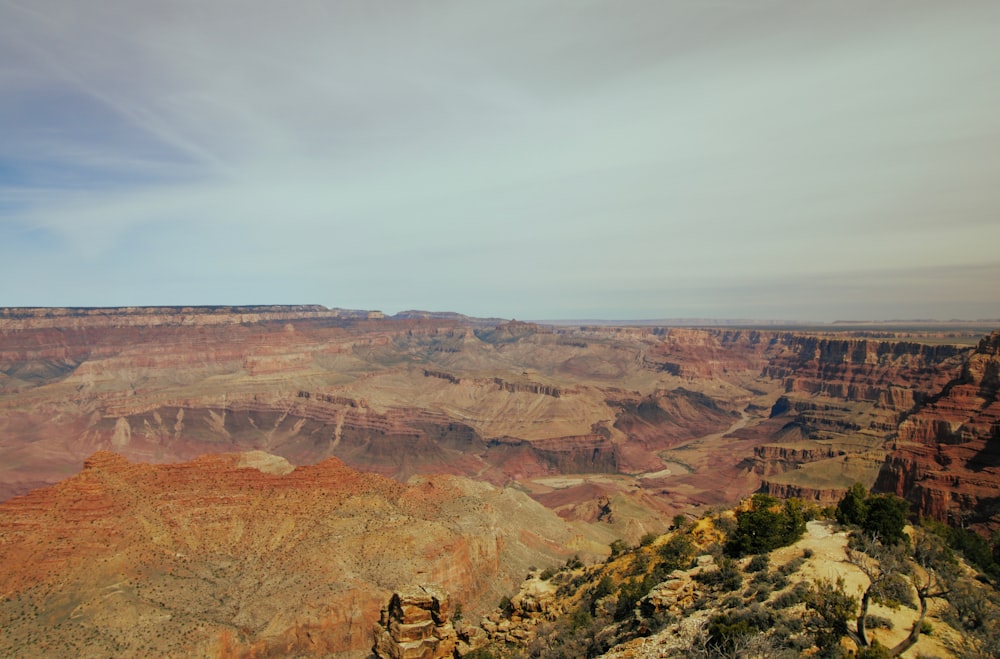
x: 566, y: 159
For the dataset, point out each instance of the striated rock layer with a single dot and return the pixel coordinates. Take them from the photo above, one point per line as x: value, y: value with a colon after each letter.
x: 946, y: 458
x: 657, y: 420
x: 244, y: 555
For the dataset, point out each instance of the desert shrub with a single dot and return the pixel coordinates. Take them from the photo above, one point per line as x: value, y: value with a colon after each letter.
x: 574, y: 635
x: 579, y: 618
x: 724, y: 632
x: 727, y: 629
x: 972, y: 546
x: 792, y: 566
x: 618, y: 547
x: 852, y: 508
x: 640, y: 564
x: 731, y: 602
x: 725, y: 524
x: 762, y: 592
x: 547, y: 574
x: 873, y: 621
x: 758, y: 563
x: 677, y: 552
x: 886, y: 517
x: 603, y: 588
x: 766, y: 525
x: 726, y: 576
x: 647, y: 539
x: 832, y: 608
x: 629, y: 594
x: 874, y: 651
x: 807, y: 553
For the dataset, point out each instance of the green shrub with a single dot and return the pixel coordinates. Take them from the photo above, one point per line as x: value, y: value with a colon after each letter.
x: 792, y: 566
x: 758, y: 563
x: 874, y: 651
x: 766, y: 525
x: 618, y: 547
x: 873, y: 621
x: 726, y: 576
x: 883, y: 515
x: 677, y: 552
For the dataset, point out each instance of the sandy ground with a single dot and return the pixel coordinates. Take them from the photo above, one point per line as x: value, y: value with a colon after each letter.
x: 828, y: 561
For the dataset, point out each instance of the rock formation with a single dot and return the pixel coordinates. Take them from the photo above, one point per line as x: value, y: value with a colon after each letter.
x: 244, y: 555
x: 946, y: 457
x: 416, y: 624
x: 654, y: 418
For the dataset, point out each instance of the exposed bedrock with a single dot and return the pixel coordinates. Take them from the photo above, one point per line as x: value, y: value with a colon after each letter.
x: 779, y: 458
x: 677, y: 408
x: 881, y: 380
x: 788, y: 490
x: 946, y: 459
x: 666, y: 418
x: 244, y: 555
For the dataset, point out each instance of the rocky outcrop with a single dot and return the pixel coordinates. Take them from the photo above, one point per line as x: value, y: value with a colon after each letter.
x: 946, y: 458
x: 535, y: 602
x: 667, y: 418
x: 823, y: 496
x: 771, y: 459
x: 416, y: 624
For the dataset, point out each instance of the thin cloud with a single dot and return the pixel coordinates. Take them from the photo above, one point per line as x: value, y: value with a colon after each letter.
x: 519, y: 159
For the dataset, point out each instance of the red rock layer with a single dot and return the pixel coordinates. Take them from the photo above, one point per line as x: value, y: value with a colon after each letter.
x: 214, y: 556
x: 946, y: 459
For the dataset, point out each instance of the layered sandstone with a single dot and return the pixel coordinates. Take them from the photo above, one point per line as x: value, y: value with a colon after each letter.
x: 416, y: 624
x: 677, y: 413
x: 946, y: 458
x: 244, y: 555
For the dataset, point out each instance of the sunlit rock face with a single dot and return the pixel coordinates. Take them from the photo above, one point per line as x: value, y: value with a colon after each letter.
x: 946, y: 458
x: 647, y: 420
x: 241, y: 554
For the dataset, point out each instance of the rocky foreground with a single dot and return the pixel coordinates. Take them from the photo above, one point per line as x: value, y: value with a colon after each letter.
x: 244, y: 555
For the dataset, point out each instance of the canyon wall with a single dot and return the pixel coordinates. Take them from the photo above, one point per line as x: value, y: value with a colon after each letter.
x: 692, y: 416
x: 946, y: 457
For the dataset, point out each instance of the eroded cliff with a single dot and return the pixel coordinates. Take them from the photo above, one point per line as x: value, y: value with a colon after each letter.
x: 946, y: 458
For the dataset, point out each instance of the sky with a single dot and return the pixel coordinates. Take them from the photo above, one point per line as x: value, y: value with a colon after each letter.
x: 803, y: 160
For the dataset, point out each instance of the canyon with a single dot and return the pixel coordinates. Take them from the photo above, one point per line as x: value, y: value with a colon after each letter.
x: 629, y: 425
x: 254, y: 481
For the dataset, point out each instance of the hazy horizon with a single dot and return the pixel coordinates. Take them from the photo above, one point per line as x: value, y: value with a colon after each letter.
x: 759, y: 160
